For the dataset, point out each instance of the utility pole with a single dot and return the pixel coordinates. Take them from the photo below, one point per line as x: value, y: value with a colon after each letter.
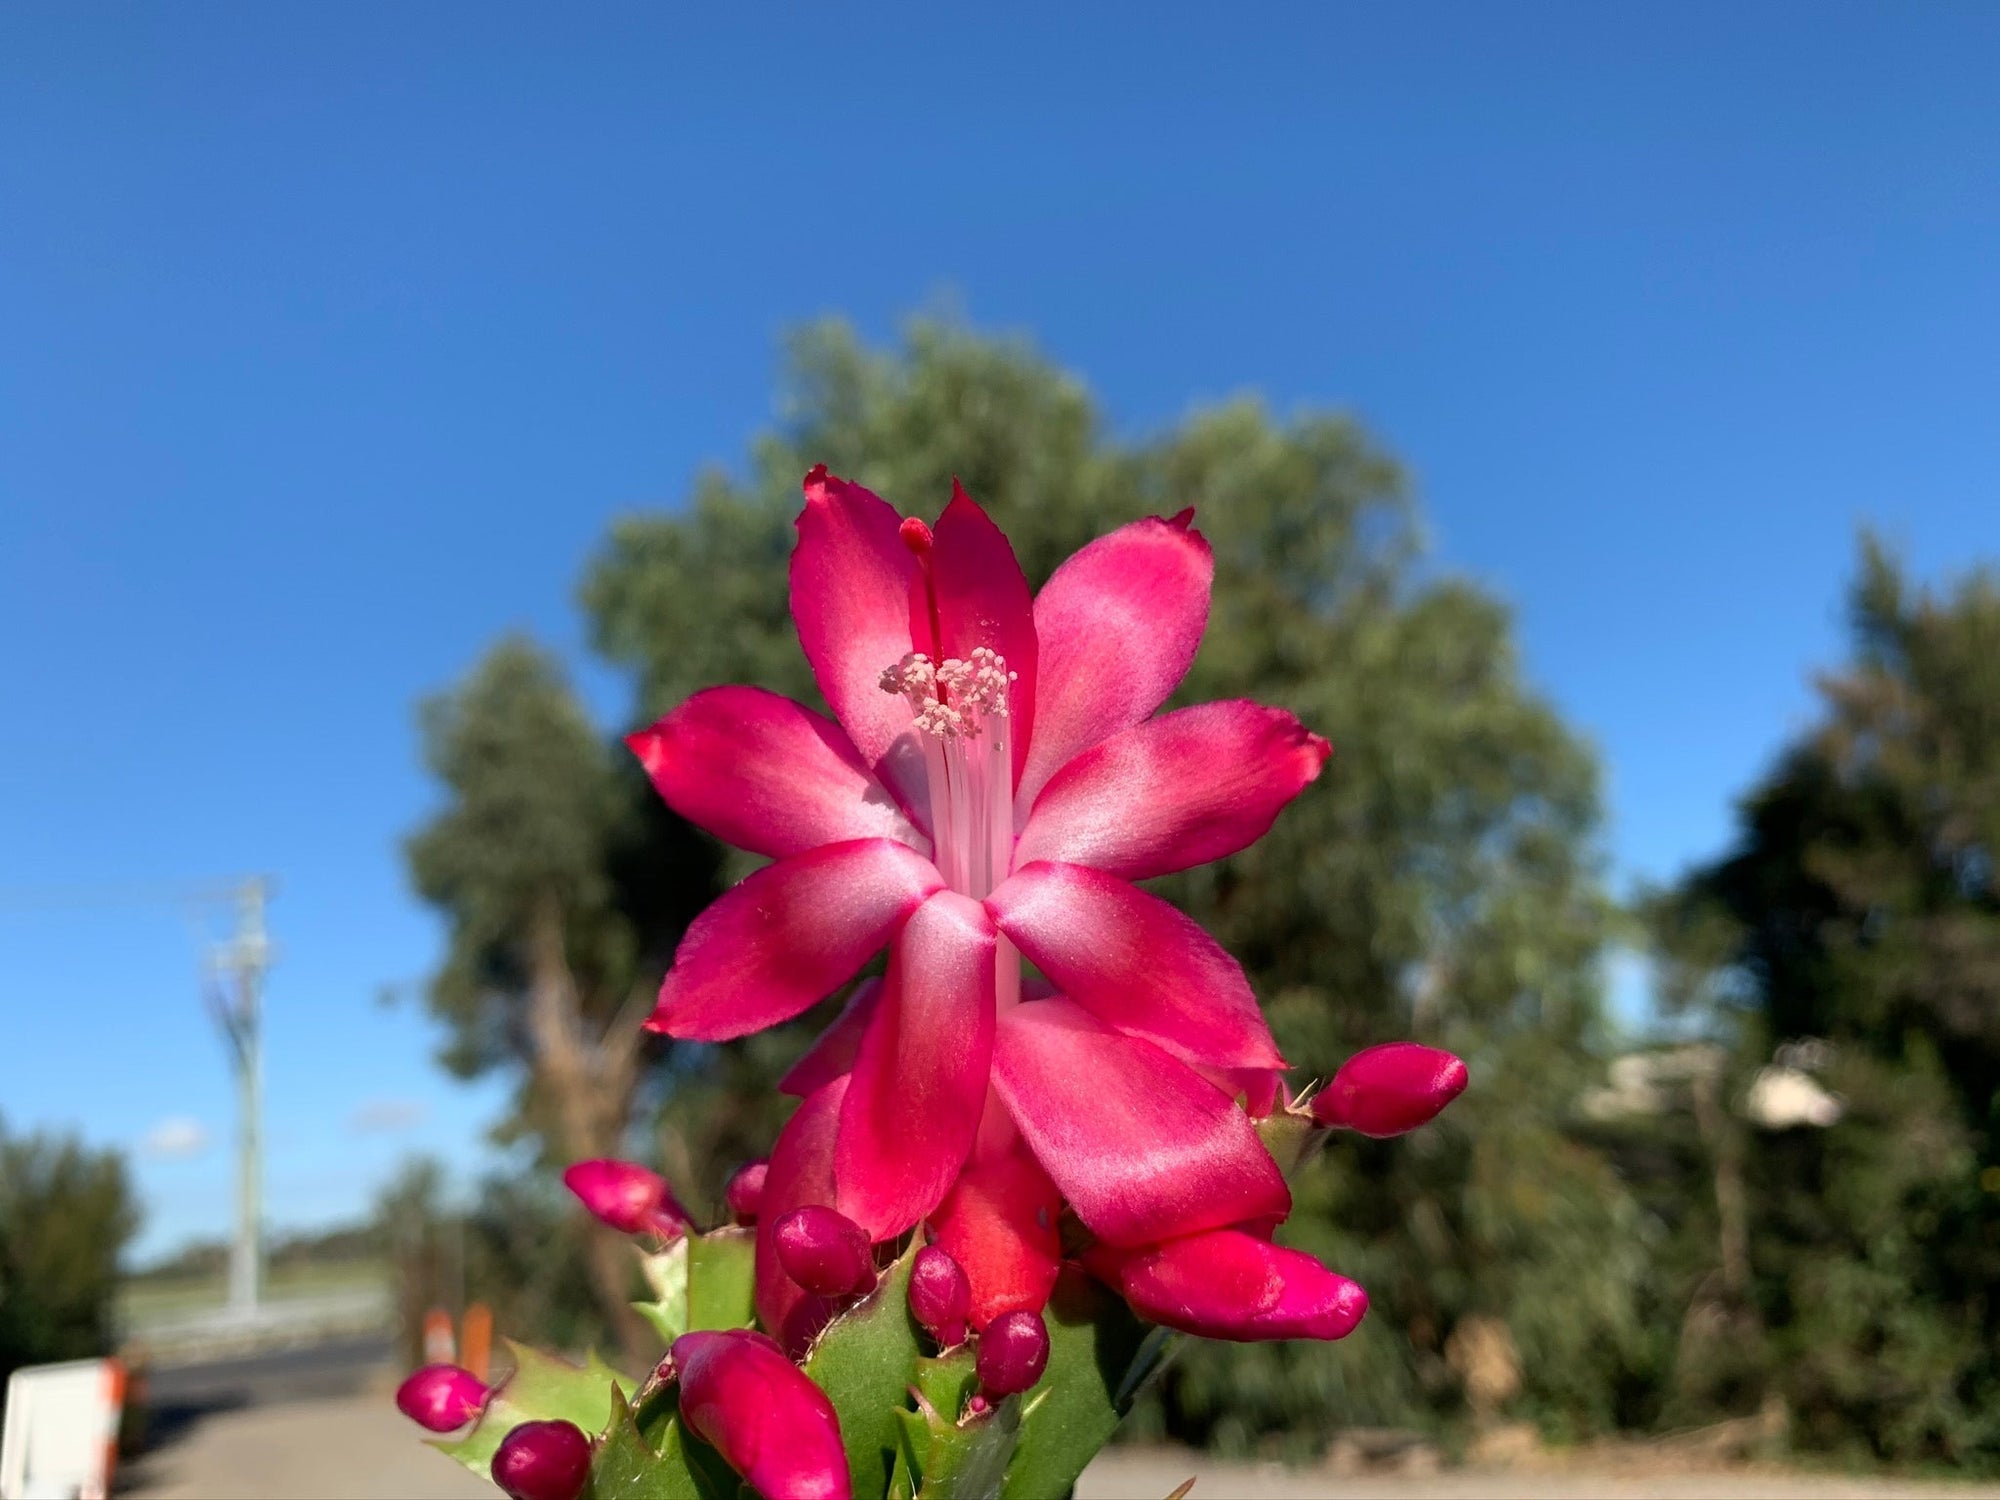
x: 235, y: 998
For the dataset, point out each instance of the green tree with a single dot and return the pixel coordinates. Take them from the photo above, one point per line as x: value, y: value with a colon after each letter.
x: 66, y: 1215
x: 564, y: 885
x: 1440, y: 881
x: 1859, y: 907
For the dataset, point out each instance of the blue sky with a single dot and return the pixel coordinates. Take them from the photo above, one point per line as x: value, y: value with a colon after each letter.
x: 332, y: 337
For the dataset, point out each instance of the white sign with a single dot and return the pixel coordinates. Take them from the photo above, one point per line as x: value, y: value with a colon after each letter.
x: 62, y: 1430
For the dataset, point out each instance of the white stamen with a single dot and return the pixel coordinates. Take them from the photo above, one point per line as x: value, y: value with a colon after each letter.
x: 960, y: 710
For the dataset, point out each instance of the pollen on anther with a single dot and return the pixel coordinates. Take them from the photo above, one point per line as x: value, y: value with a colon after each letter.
x: 951, y: 699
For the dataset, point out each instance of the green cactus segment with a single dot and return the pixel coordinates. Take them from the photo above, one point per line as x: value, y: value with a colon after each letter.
x: 1291, y: 1136
x: 946, y: 1382
x: 947, y: 1460
x: 645, y: 1454
x: 541, y: 1389
x: 1100, y: 1358
x: 866, y: 1361
x: 722, y: 1279
x: 667, y: 1275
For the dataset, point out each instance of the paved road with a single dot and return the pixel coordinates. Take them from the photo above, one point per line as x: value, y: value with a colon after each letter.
x: 303, y: 1425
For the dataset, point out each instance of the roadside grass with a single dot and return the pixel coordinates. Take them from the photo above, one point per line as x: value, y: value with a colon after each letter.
x: 144, y: 1302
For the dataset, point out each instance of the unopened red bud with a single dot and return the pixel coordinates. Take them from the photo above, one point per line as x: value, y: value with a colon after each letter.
x: 627, y: 1197
x: 1389, y: 1089
x: 543, y: 1461
x: 940, y: 1295
x: 746, y: 1191
x: 824, y: 1251
x: 1013, y: 1352
x: 757, y: 1409
x: 441, y: 1398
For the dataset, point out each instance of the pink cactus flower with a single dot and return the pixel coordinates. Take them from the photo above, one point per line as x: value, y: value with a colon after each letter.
x: 441, y: 1398
x: 626, y: 1196
x: 770, y: 1423
x: 542, y: 1461
x: 1389, y: 1089
x: 1228, y: 1284
x: 994, y: 779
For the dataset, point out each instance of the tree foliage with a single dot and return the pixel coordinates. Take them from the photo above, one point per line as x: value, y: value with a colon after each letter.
x: 1860, y: 908
x: 66, y: 1215
x: 564, y: 886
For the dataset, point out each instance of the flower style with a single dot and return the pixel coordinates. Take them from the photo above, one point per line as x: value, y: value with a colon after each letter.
x: 996, y: 780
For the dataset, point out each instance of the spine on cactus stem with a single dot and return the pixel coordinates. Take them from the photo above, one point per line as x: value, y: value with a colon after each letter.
x: 1387, y: 1090
x: 940, y: 1295
x: 757, y: 1409
x: 1013, y: 1352
x: 746, y: 1191
x: 543, y: 1461
x: 441, y: 1398
x: 824, y: 1251
x: 628, y: 1197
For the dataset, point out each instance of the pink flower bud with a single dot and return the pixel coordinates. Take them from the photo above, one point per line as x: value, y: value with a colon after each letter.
x: 940, y: 1295
x: 1226, y: 1284
x: 746, y: 1191
x: 441, y: 1398
x: 627, y: 1197
x: 1013, y: 1352
x: 1389, y: 1089
x: 756, y: 1408
x: 543, y: 1461
x: 824, y: 1251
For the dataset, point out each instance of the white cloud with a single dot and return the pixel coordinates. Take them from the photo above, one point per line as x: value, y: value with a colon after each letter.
x: 383, y: 1115
x: 175, y: 1138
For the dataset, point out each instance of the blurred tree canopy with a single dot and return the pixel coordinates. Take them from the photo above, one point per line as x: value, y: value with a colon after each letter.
x: 1854, y: 932
x: 66, y: 1215
x: 564, y: 885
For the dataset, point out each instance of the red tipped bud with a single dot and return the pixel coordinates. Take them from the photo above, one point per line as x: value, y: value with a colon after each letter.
x: 1013, y: 1352
x: 1226, y: 1284
x: 543, y: 1461
x: 756, y: 1408
x: 441, y: 1398
x: 824, y: 1251
x: 940, y: 1295
x: 1389, y: 1089
x: 746, y: 1191
x: 627, y: 1197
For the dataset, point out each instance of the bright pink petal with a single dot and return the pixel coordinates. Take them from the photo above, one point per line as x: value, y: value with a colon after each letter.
x: 983, y: 600
x: 834, y: 1050
x: 999, y: 1224
x: 788, y: 936
x: 1256, y: 1089
x: 915, y: 1096
x: 1141, y: 1146
x: 1135, y: 963
x: 1230, y: 1285
x: 763, y: 1414
x: 1117, y: 624
x: 762, y: 773
x: 800, y: 1173
x: 1176, y: 791
x: 853, y: 586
